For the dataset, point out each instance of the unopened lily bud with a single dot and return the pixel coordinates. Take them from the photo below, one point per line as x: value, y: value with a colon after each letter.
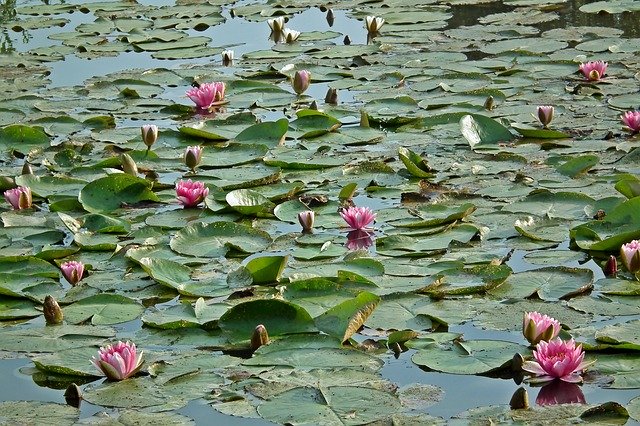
x: 260, y: 337
x: 611, y: 268
x: 306, y: 220
x: 19, y: 198
x: 149, y: 134
x: 52, y: 312
x: 537, y: 327
x: 73, y: 395
x: 364, y: 118
x: 192, y: 156
x: 630, y: 256
x: 26, y: 168
x: 545, y: 115
x: 519, y: 399
x: 331, y: 96
x: 227, y: 57
x: 301, y: 81
x: 128, y: 164
x: 347, y: 40
x: 489, y: 103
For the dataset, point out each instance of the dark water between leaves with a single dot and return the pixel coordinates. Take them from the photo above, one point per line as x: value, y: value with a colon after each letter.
x: 461, y: 392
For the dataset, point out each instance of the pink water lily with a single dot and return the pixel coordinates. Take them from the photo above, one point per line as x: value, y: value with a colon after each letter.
x: 545, y: 114
x: 557, y: 359
x: 594, y: 70
x: 149, y: 134
x: 359, y: 239
x: 630, y: 256
x: 560, y: 392
x: 118, y: 361
x: 301, y: 81
x: 207, y: 94
x: 631, y: 120
x: 537, y: 327
x: 72, y: 271
x: 190, y: 193
x: 358, y: 217
x: 306, y: 219
x: 19, y: 198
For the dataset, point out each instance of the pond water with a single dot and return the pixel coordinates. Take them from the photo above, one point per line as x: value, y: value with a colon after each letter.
x: 431, y: 63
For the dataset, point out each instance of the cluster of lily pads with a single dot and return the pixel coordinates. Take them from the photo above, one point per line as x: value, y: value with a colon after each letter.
x: 242, y: 310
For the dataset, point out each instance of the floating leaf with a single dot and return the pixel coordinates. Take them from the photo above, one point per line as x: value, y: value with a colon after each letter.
x: 114, y: 191
x: 343, y: 320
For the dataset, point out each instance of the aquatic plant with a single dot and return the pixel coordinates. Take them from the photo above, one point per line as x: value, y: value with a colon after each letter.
x: 631, y: 120
x: 301, y: 81
x: 557, y: 359
x: 358, y: 217
x: 593, y: 70
x: 537, y: 327
x: 72, y: 271
x: 19, y: 198
x: 306, y: 219
x: 630, y: 256
x: 207, y: 94
x: 191, y: 193
x: 118, y: 361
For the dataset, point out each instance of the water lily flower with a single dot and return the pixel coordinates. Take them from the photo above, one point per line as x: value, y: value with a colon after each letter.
x: 276, y: 24
x: 594, y: 70
x: 630, y: 256
x: 289, y: 35
x: 190, y: 194
x: 358, y: 217
x: 193, y: 156
x: 557, y: 359
x: 545, y: 115
x: 631, y: 119
x: 537, y: 327
x: 19, y: 198
x: 207, y: 94
x: 560, y: 392
x: 306, y: 220
x: 227, y: 57
x: 72, y: 271
x: 118, y: 361
x: 358, y: 239
x: 301, y: 81
x: 373, y: 23
x: 149, y: 134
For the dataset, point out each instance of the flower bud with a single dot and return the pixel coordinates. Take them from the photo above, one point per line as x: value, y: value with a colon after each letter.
x: 364, y: 118
x: 332, y: 96
x: 128, y: 164
x: 149, y: 134
x: 306, y: 220
x: 611, y: 267
x: 519, y: 399
x: 26, y: 169
x: 260, y: 337
x: 301, y: 81
x: 545, y: 115
x: 630, y: 256
x: 72, y: 271
x: 19, y: 198
x: 537, y: 327
x: 52, y: 312
x: 192, y: 156
x: 290, y: 35
x: 489, y: 103
x: 227, y: 57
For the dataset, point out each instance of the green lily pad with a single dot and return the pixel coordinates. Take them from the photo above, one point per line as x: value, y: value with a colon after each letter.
x: 103, y: 309
x: 468, y: 357
x: 112, y: 192
x: 215, y: 239
x: 277, y: 316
